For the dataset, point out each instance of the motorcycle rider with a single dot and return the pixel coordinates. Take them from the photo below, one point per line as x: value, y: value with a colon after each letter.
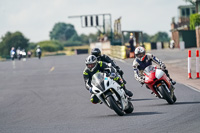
x: 143, y: 60
x: 93, y: 66
x: 97, y: 52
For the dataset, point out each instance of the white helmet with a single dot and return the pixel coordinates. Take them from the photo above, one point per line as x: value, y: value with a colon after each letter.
x: 140, y: 53
x: 91, y: 62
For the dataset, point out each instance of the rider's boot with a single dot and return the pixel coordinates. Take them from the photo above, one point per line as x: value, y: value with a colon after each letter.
x: 128, y: 93
x: 172, y: 82
x: 121, y: 83
x: 94, y: 99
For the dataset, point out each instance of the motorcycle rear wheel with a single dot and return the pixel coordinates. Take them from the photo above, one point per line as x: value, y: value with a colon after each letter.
x: 114, y: 106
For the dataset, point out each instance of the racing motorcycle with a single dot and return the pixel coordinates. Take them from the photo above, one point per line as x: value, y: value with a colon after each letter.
x: 111, y: 93
x: 159, y: 83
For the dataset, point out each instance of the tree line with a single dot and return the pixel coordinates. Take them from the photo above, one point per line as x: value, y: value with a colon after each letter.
x: 61, y: 35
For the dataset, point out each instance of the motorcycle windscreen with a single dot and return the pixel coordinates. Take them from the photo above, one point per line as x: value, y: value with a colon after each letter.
x: 159, y: 73
x: 98, y: 81
x: 149, y: 69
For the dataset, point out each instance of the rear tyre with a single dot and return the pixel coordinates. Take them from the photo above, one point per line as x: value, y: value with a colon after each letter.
x: 114, y: 106
x: 166, y: 95
x: 130, y: 108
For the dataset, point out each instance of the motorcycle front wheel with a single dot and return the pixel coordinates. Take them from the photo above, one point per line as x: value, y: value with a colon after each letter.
x: 166, y: 94
x: 174, y: 98
x: 115, y: 106
x: 130, y: 108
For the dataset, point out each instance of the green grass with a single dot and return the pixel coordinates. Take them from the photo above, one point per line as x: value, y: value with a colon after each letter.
x: 67, y: 50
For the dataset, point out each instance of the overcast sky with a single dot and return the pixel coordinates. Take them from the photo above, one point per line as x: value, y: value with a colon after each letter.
x: 36, y: 18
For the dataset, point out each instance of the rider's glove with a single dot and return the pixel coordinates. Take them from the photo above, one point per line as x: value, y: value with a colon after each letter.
x: 117, y: 67
x: 142, y: 80
x: 112, y: 75
x: 90, y: 90
x: 163, y: 67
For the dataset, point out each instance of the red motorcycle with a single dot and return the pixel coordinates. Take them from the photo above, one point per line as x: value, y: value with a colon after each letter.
x: 159, y: 83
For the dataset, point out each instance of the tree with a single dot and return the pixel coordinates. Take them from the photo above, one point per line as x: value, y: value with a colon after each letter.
x: 160, y: 37
x: 12, y: 40
x: 194, y: 21
x: 146, y: 37
x: 74, y: 37
x: 62, y: 32
x: 84, y: 39
x: 93, y: 37
x: 191, y: 1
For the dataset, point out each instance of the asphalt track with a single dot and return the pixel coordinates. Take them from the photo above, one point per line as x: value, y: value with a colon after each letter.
x: 49, y: 96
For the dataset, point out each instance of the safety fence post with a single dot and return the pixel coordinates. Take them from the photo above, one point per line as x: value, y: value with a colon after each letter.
x: 189, y: 64
x: 197, y: 63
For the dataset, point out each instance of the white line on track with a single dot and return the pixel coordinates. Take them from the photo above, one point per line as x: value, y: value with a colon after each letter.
x: 52, y: 69
x: 192, y: 88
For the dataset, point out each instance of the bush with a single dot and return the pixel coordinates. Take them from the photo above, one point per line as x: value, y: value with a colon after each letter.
x: 32, y: 45
x: 73, y: 43
x: 194, y: 21
x: 51, y: 46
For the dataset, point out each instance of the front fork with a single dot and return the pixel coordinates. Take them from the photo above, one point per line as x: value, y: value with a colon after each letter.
x: 171, y: 90
x: 123, y: 100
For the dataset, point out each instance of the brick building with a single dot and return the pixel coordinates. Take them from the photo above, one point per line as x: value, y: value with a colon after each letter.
x: 181, y: 30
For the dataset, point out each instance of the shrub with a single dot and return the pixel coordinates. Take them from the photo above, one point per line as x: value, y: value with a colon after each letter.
x: 73, y: 43
x: 50, y: 46
x: 194, y: 21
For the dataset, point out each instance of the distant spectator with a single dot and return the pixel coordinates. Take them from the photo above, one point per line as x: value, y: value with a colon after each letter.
x: 12, y: 53
x: 29, y: 54
x: 23, y: 53
x: 131, y: 41
x: 19, y: 53
x: 172, y: 44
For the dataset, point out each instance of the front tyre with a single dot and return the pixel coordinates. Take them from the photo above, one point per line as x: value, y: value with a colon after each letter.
x: 174, y: 97
x: 130, y: 108
x: 166, y: 95
x: 114, y: 106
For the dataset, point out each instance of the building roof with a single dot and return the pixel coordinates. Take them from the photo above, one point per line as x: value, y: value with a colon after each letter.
x: 186, y: 6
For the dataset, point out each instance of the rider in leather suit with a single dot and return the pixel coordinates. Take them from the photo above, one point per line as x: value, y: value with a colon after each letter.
x: 143, y: 60
x: 92, y: 67
x: 97, y: 52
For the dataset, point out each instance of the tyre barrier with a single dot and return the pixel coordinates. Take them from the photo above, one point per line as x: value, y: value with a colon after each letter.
x: 81, y: 51
x: 156, y: 46
x: 121, y: 51
x: 118, y: 52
